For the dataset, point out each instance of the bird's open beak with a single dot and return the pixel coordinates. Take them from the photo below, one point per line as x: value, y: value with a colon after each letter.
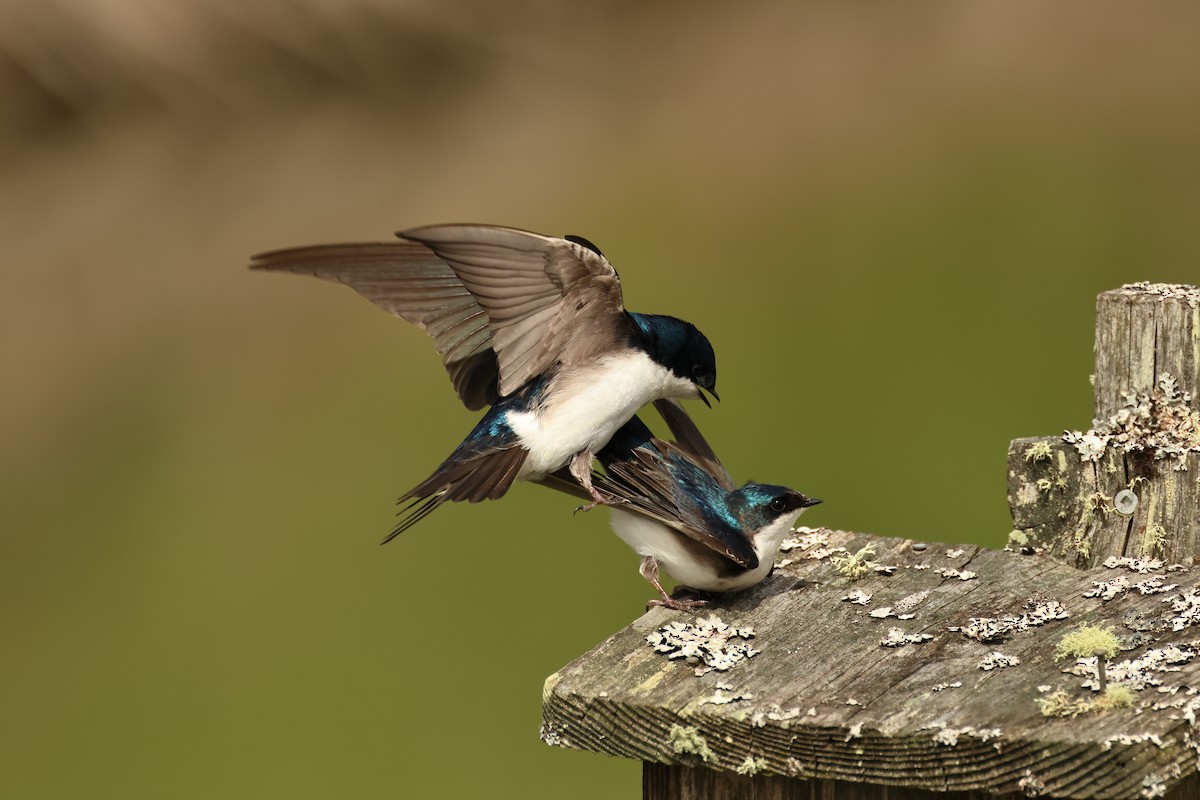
x: 809, y: 501
x: 704, y: 397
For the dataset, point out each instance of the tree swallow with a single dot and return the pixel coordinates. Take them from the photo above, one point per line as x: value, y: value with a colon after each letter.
x: 680, y: 510
x: 532, y: 325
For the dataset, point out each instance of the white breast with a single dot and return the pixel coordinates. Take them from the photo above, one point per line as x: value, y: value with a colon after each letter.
x: 585, y: 407
x: 649, y: 538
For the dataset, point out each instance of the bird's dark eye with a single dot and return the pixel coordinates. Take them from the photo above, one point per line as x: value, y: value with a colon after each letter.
x: 778, y: 504
x: 697, y: 370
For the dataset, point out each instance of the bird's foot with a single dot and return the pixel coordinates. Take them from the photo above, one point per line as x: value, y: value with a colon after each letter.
x: 599, y: 498
x: 677, y: 605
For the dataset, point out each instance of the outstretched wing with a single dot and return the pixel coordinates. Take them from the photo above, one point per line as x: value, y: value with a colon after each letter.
x: 547, y: 299
x: 407, y: 279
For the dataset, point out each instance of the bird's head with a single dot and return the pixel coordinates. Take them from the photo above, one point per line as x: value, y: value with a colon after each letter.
x: 682, y: 348
x: 761, y: 507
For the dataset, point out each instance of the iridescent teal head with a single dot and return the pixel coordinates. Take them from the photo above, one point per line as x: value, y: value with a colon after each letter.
x: 680, y: 347
x: 758, y: 505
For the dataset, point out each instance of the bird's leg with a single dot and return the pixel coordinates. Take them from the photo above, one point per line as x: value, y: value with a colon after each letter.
x: 649, y: 570
x: 581, y: 470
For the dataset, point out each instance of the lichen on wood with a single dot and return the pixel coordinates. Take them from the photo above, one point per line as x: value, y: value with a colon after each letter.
x: 825, y: 702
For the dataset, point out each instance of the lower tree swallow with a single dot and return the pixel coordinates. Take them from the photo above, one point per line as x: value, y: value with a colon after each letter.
x: 532, y: 325
x: 680, y: 510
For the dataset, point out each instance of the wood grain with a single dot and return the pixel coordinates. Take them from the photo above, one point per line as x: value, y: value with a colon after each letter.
x: 828, y: 702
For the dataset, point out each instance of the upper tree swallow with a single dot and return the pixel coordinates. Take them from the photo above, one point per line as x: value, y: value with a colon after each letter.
x: 680, y: 509
x: 532, y: 325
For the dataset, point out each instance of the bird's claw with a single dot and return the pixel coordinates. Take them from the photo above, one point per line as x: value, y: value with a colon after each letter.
x: 678, y: 605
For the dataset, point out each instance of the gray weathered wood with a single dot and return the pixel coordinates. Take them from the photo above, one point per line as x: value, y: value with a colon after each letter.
x: 1066, y: 505
x: 669, y: 782
x: 829, y: 702
x: 1145, y: 334
x: 1144, y: 331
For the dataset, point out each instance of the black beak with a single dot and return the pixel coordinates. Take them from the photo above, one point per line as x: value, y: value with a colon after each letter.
x: 705, y: 398
x: 809, y: 501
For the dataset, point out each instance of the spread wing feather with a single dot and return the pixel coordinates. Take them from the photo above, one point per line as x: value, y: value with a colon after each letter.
x: 408, y: 280
x: 533, y: 289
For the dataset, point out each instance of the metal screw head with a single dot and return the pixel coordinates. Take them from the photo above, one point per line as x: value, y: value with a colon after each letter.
x: 1126, y: 502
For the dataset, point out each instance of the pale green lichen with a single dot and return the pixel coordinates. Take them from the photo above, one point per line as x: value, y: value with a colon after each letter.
x: 1044, y: 484
x: 1115, y: 696
x: 1018, y: 538
x: 752, y: 766
x: 1087, y: 640
x: 1061, y: 704
x: 854, y: 565
x: 1038, y: 451
x: 1093, y: 504
x: 1154, y: 539
x: 687, y: 739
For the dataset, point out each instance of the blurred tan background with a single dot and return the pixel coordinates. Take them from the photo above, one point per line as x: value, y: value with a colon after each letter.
x: 891, y: 219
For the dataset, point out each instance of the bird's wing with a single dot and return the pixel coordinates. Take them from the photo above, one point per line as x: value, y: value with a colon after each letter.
x: 407, y: 279
x: 547, y: 299
x: 688, y: 438
x: 665, y: 484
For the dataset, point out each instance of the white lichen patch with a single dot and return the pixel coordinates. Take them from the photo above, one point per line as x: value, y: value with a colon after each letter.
x: 752, y: 766
x: 961, y: 574
x: 813, y: 542
x: 1176, y: 291
x: 1160, y: 422
x: 708, y: 642
x: 883, y: 612
x: 1037, y: 612
x: 955, y: 552
x: 949, y: 737
x: 886, y: 569
x: 550, y: 736
x: 775, y: 713
x: 1154, y: 585
x: 1186, y: 608
x: 997, y: 660
x: 896, y: 637
x: 723, y: 697
x: 1138, y: 673
x: 858, y: 597
x: 1108, y: 590
x: 941, y: 687
x: 1152, y: 787
x: 1132, y: 739
x: 687, y: 740
x: 1031, y: 785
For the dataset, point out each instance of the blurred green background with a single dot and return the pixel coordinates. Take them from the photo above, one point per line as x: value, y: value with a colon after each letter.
x: 891, y: 219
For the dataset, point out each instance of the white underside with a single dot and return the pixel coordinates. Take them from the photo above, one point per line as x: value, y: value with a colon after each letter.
x: 586, y: 406
x: 649, y: 538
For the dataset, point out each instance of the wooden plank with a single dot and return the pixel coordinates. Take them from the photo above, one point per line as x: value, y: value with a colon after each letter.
x: 672, y: 782
x: 825, y: 700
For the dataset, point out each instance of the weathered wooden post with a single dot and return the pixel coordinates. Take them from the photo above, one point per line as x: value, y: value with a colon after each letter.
x: 870, y: 667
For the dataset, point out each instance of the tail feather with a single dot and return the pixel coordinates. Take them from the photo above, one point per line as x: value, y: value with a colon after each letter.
x: 487, y: 476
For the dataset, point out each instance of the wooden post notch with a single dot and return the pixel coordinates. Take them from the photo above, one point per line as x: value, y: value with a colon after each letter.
x: 1127, y: 487
x: 871, y: 667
